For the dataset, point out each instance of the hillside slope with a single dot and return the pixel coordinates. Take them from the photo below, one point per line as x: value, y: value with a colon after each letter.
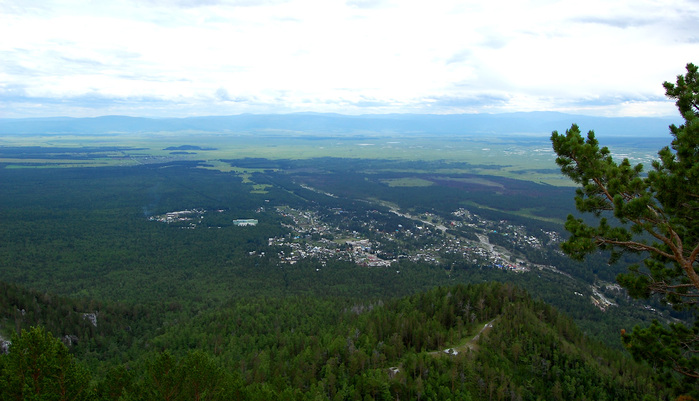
x: 426, y: 346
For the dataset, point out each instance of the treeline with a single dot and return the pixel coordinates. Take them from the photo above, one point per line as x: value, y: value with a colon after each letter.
x: 302, y: 348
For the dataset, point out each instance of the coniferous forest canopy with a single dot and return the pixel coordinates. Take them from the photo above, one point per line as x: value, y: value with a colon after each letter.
x: 188, y: 271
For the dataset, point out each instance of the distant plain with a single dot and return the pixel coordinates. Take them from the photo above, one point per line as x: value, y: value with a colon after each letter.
x: 522, y: 157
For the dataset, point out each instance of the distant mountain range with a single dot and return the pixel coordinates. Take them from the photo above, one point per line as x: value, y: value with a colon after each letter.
x: 532, y: 123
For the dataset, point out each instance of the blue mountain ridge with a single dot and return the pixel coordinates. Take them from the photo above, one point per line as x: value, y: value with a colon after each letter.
x: 522, y: 123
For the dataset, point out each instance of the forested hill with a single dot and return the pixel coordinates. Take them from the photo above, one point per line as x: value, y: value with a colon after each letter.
x: 462, y: 342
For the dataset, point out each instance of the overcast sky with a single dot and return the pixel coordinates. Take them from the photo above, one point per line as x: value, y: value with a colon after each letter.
x: 215, y: 57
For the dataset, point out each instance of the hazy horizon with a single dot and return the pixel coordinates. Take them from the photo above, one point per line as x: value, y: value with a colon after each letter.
x: 539, y: 124
x: 672, y: 114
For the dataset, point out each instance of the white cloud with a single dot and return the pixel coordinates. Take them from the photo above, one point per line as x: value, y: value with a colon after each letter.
x: 352, y: 56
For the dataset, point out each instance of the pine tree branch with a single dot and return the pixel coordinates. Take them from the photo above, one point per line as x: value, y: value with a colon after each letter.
x: 680, y: 286
x: 691, y: 273
x: 694, y: 256
x: 635, y: 246
x: 674, y: 365
x: 676, y: 247
x: 679, y: 369
x: 687, y: 299
x: 604, y: 189
x: 661, y: 287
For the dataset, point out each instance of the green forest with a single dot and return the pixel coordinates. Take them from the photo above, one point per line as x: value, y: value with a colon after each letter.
x: 300, y: 347
x: 101, y: 300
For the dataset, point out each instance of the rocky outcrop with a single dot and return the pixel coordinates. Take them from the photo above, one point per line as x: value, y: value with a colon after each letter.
x: 92, y: 317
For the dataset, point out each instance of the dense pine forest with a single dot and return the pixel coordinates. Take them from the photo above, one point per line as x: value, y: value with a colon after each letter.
x: 487, y: 341
x: 102, y: 299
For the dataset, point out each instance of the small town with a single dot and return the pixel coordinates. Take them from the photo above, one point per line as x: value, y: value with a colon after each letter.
x: 425, y: 240
x: 462, y: 239
x: 380, y: 239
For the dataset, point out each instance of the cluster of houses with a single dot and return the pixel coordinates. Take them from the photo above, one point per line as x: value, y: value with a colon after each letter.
x: 245, y: 222
x: 311, y: 237
x: 190, y: 218
x: 357, y: 251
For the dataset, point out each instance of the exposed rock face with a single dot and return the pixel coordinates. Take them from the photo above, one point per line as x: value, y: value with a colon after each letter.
x: 92, y: 317
x: 4, y: 346
x: 70, y: 339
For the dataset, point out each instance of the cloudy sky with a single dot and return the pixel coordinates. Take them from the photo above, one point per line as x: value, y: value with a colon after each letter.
x: 215, y: 57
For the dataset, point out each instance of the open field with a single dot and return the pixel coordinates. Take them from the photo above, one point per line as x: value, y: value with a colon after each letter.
x: 520, y: 157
